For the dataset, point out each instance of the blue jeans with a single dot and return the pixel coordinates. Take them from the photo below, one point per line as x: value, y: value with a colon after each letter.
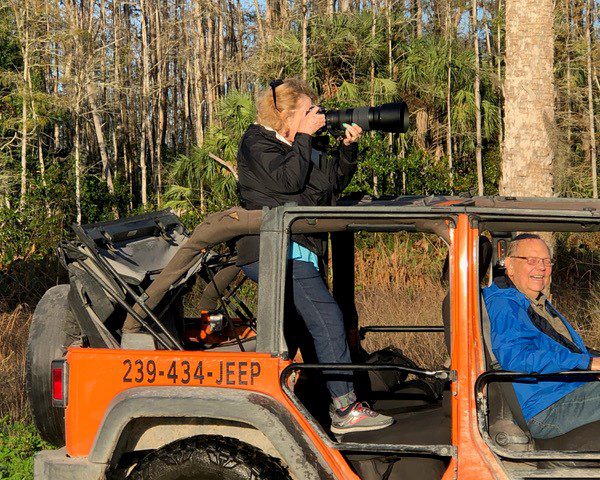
x: 324, y: 321
x: 580, y: 407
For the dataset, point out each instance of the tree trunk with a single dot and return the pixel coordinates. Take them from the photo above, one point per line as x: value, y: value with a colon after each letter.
x: 418, y: 14
x: 145, y: 101
x: 161, y: 101
x: 372, y: 102
x: 304, y: 10
x: 25, y: 52
x: 477, y: 89
x: 449, y: 120
x: 77, y: 170
x: 106, y: 171
x: 592, y: 128
x: 530, y: 128
x: 259, y: 23
x: 568, y: 99
x: 499, y: 76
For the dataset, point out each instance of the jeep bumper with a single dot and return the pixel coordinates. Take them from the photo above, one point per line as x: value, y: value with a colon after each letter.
x: 56, y: 465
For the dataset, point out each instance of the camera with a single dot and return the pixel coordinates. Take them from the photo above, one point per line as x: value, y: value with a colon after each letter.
x: 389, y: 117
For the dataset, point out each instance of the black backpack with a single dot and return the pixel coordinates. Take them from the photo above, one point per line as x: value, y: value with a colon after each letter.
x: 391, y: 381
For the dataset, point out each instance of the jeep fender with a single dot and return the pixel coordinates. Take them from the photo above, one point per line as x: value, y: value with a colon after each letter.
x: 252, y: 409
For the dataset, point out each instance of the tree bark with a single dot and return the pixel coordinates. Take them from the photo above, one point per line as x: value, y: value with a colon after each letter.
x: 592, y: 127
x: 304, y: 10
x: 106, y: 169
x: 477, y: 90
x: 499, y: 77
x: 77, y: 170
x: 162, y: 99
x: 372, y: 92
x: 259, y: 24
x: 568, y: 99
x: 530, y: 128
x: 418, y: 13
x: 449, y: 120
x: 22, y: 22
x: 145, y: 101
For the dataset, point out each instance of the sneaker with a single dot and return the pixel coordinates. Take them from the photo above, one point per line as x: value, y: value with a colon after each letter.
x: 358, y: 418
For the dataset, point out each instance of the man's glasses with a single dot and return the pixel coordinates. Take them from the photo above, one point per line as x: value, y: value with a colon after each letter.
x: 274, y: 84
x: 533, y: 261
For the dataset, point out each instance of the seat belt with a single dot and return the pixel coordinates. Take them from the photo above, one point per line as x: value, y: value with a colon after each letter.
x: 506, y: 388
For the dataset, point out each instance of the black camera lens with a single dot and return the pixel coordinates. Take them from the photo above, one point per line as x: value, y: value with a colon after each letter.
x: 389, y: 117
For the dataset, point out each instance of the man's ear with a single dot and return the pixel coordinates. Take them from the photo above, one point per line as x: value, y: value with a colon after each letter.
x: 508, y: 264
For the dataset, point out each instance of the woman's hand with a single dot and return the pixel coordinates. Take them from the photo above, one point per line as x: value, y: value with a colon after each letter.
x: 353, y: 133
x: 312, y: 121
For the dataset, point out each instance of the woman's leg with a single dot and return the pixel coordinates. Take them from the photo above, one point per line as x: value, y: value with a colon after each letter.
x: 325, y: 322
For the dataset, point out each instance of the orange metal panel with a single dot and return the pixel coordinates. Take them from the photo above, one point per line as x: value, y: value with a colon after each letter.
x: 474, y: 459
x: 96, y: 376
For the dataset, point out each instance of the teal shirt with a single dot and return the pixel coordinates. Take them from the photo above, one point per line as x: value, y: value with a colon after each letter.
x: 298, y: 252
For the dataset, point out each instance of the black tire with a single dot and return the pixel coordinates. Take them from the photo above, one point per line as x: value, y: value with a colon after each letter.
x: 52, y: 329
x: 209, y: 457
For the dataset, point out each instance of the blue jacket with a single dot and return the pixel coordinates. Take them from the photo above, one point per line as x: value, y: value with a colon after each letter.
x: 525, y: 342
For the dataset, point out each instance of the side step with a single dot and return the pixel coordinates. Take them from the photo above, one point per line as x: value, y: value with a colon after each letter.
x: 552, y: 473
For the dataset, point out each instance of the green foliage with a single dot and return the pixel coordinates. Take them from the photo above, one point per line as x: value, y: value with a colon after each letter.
x: 198, y: 183
x: 10, y: 51
x: 18, y: 444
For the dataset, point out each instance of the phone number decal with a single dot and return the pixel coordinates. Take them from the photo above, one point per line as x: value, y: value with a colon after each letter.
x: 182, y: 372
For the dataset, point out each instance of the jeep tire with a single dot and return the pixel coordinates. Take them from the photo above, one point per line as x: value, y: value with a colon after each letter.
x: 53, y: 327
x: 209, y: 457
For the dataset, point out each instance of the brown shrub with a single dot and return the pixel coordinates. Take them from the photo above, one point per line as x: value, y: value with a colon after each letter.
x: 14, y: 328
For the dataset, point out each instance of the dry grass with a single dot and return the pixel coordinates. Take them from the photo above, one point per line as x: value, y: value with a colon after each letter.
x: 576, y: 283
x: 14, y: 327
x: 398, y: 284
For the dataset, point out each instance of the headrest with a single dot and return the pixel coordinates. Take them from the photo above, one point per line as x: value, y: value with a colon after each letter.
x: 485, y: 258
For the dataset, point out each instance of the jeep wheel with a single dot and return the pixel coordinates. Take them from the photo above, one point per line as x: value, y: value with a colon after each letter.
x: 209, y: 457
x: 52, y: 328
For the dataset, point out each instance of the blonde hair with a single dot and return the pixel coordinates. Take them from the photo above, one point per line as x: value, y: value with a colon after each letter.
x: 288, y: 94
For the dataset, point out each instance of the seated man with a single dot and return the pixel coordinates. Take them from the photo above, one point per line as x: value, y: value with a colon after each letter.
x: 529, y: 335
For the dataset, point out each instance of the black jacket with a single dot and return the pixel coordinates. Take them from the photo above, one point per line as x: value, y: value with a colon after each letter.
x: 272, y: 173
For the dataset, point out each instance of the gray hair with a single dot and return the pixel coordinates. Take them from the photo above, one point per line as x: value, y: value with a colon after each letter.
x: 514, y: 243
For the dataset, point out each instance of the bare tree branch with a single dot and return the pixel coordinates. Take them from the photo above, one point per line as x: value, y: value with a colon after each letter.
x: 225, y: 164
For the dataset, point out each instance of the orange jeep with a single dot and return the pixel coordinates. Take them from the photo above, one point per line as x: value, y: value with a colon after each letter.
x: 220, y: 398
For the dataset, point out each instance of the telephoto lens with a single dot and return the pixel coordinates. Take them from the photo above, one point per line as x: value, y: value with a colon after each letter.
x: 389, y: 117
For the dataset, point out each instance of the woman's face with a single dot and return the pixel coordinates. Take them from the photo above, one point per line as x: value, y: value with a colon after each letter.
x: 296, y: 116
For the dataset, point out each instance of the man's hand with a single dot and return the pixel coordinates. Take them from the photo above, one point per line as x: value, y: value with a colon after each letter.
x: 595, y: 365
x: 353, y: 133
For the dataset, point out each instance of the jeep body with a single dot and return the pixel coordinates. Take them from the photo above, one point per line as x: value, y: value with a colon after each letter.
x: 122, y: 403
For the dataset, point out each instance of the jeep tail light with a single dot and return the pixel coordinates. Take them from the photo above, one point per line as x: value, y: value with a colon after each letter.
x: 59, y: 377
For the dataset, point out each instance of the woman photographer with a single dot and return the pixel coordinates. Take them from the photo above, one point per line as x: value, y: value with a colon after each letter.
x: 277, y: 165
